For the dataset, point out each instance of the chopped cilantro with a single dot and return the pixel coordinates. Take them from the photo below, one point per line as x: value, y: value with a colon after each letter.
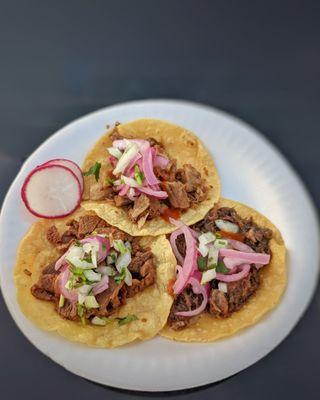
x: 218, y: 235
x: 202, y: 263
x: 127, y: 319
x: 80, y: 310
x: 109, y: 181
x: 94, y: 170
x: 138, y: 174
x: 221, y: 268
x: 107, y: 320
x: 119, y: 278
x: 77, y: 243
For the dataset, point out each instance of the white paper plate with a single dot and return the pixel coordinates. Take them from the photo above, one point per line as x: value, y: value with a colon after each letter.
x: 253, y: 172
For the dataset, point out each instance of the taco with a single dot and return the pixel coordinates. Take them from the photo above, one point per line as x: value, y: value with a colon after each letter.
x: 232, y: 272
x: 143, y: 172
x: 91, y: 282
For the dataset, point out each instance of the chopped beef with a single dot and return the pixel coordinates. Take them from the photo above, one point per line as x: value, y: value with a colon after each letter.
x: 68, y: 311
x: 111, y: 299
x: 240, y: 291
x: 140, y: 257
x: 42, y: 294
x: 155, y: 208
x: 140, y: 205
x: 191, y: 177
x: 44, y: 288
x: 224, y: 304
x: 185, y: 301
x: 53, y: 235
x: 218, y: 304
x: 114, y: 233
x: 101, y: 192
x: 256, y: 237
x: 121, y: 201
x: 177, y: 194
x: 146, y: 277
x: 88, y: 223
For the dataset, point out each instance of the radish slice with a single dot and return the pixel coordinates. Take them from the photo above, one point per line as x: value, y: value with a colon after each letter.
x: 69, y: 164
x: 51, y: 191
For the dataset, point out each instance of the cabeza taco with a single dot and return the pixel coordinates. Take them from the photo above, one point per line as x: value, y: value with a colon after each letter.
x: 141, y: 173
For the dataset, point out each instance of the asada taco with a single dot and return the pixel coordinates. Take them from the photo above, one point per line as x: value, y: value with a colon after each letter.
x: 231, y: 271
x: 143, y: 172
x: 91, y: 282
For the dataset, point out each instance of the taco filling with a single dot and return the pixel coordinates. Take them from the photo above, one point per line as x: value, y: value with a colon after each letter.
x: 100, y: 267
x: 145, y: 181
x: 220, y: 261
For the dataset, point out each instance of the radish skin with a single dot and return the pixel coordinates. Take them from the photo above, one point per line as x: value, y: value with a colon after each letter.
x: 45, y: 191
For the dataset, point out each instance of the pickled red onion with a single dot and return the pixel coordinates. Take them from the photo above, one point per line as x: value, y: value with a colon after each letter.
x: 197, y: 289
x: 251, y: 258
x: 231, y: 263
x: 101, y: 286
x: 147, y: 166
x: 189, y: 262
x: 240, y: 246
x: 173, y: 237
x: 244, y: 271
x: 124, y: 190
x: 103, y: 245
x: 161, y: 161
x: 63, y: 277
x: 159, y: 194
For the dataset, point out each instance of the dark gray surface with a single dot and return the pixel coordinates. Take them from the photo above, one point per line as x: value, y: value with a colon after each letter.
x: 257, y: 60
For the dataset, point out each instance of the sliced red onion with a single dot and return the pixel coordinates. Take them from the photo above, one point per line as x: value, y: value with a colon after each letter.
x: 189, y: 263
x: 124, y: 190
x: 60, y: 262
x: 103, y: 245
x: 147, y: 167
x: 240, y: 246
x: 197, y: 289
x: 132, y: 164
x: 161, y: 161
x: 244, y: 271
x: 132, y: 194
x: 63, y: 277
x: 231, y: 263
x: 251, y: 258
x: 173, y: 238
x: 101, y: 286
x: 159, y: 194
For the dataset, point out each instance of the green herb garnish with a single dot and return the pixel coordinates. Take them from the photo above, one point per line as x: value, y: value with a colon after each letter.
x: 80, y: 310
x: 221, y: 268
x: 109, y: 181
x: 218, y: 236
x: 127, y: 319
x: 119, y: 278
x: 138, y: 174
x: 202, y: 263
x: 94, y: 170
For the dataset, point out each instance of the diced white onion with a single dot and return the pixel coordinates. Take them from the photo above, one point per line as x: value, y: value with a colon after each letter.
x: 92, y: 276
x: 221, y: 243
x: 85, y: 289
x: 226, y: 226
x: 212, y: 256
x: 208, y: 275
x: 98, y: 321
x: 91, y: 302
x: 130, y: 152
x: 115, y: 152
x: 123, y: 261
x: 223, y: 287
x: 204, y: 239
x: 128, y: 278
x: 130, y: 181
x: 79, y: 263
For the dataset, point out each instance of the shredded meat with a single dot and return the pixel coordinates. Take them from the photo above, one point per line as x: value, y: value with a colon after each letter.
x: 181, y: 245
x: 41, y: 293
x: 218, y: 304
x: 146, y: 277
x: 111, y: 299
x: 185, y: 301
x: 53, y: 235
x: 177, y: 194
x: 140, y: 205
x: 121, y: 201
x: 68, y: 311
x: 256, y: 237
x: 240, y: 291
x: 101, y: 192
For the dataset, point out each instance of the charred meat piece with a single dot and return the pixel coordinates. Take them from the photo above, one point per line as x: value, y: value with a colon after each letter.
x: 177, y: 194
x: 146, y: 277
x: 140, y: 205
x: 88, y: 223
x: 68, y: 311
x: 44, y: 288
x: 53, y: 235
x: 185, y: 301
x: 101, y: 192
x: 121, y: 201
x: 111, y: 299
x: 42, y: 294
x: 218, y: 304
x: 240, y: 291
